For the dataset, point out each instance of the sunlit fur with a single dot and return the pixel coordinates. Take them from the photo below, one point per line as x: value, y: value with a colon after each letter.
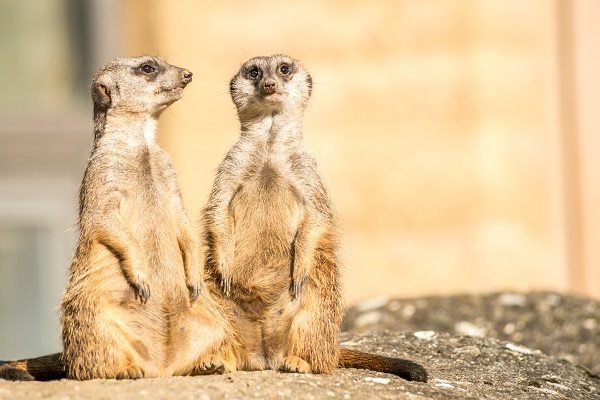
x: 270, y: 230
x: 131, y: 307
x: 271, y: 234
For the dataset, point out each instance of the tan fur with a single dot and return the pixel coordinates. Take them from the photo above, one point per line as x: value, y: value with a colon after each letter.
x: 272, y: 259
x: 132, y: 306
x: 271, y: 234
x: 270, y: 230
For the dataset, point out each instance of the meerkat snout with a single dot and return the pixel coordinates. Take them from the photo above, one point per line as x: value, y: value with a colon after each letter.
x: 186, y: 76
x: 270, y: 86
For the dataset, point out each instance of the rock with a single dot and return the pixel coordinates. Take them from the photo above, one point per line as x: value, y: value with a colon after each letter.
x: 468, y: 329
x: 425, y: 334
x: 368, y: 319
x: 460, y: 367
x: 566, y: 327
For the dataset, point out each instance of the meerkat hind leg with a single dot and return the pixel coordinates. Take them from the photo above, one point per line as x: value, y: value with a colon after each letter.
x: 202, y: 340
x: 314, y: 328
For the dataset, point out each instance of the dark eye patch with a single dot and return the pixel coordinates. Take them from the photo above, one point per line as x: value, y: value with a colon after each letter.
x: 285, y: 69
x: 147, y: 68
x: 253, y: 73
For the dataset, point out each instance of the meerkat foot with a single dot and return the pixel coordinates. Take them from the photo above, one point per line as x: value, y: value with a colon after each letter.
x: 131, y: 372
x: 295, y: 364
x: 209, y: 364
x: 194, y: 291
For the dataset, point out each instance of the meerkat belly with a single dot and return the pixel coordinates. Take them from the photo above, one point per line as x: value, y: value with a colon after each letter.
x: 266, y: 211
x: 146, y: 213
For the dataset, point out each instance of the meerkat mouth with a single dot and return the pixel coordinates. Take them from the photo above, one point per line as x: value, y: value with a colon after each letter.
x: 273, y: 97
x: 176, y: 89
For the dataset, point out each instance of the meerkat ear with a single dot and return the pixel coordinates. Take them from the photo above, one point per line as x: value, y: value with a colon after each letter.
x: 101, y: 95
x: 104, y: 93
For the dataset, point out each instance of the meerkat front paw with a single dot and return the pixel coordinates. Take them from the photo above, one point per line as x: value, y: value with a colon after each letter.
x: 297, y: 285
x: 142, y: 289
x: 195, y: 290
x: 226, y: 277
x: 300, y: 272
x: 295, y: 364
x: 194, y: 274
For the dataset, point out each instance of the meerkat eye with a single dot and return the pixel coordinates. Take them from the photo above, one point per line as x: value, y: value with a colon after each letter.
x: 253, y: 73
x: 148, y: 68
x: 284, y: 69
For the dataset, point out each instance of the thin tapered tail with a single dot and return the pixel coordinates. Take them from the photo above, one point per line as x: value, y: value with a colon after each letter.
x: 44, y: 368
x: 406, y: 369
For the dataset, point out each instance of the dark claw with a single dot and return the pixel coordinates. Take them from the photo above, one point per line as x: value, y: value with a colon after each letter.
x: 226, y: 285
x: 143, y: 293
x: 209, y: 367
x: 213, y: 366
x: 136, y: 375
x: 297, y: 285
x: 195, y: 291
x: 133, y: 372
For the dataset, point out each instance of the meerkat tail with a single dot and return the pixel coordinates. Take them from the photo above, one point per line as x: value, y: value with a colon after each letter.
x: 44, y: 368
x: 403, y: 368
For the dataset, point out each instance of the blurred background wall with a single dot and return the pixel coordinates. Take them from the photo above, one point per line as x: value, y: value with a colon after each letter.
x: 459, y: 139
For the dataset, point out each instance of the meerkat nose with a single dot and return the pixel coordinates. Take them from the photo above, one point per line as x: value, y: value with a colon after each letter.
x: 186, y: 76
x: 270, y: 86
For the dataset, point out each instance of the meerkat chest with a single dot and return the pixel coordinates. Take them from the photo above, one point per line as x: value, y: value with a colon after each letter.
x: 141, y: 176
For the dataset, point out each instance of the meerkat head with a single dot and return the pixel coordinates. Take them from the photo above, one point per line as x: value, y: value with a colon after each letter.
x: 138, y: 85
x: 270, y: 85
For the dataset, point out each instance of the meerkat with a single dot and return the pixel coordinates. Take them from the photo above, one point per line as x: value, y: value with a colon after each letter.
x: 133, y: 305
x: 271, y: 234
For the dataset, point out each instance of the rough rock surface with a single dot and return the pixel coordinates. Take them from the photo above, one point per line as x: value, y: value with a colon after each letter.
x: 460, y: 367
x: 563, y: 326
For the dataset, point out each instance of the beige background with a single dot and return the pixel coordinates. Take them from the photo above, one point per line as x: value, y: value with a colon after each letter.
x: 458, y: 139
